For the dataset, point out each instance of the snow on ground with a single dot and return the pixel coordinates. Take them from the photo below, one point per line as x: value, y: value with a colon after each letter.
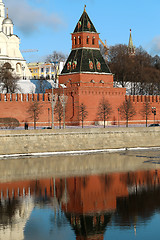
x: 34, y: 86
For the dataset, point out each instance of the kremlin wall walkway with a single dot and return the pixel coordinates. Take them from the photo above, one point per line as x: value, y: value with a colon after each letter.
x: 46, y: 142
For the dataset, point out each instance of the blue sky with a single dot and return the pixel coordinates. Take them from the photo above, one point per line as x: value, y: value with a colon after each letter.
x: 46, y: 24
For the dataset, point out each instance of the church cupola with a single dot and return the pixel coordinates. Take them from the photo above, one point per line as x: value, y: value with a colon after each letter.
x: 85, y: 55
x: 131, y: 48
x: 7, y: 25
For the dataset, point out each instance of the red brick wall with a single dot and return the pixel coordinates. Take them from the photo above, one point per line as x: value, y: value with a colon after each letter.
x: 138, y: 103
x: 16, y: 105
x: 89, y: 89
x: 87, y: 79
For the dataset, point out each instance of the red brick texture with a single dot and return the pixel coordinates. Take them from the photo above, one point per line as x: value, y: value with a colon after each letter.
x: 81, y: 90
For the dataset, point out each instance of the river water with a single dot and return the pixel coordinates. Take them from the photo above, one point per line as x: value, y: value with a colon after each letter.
x: 113, y: 201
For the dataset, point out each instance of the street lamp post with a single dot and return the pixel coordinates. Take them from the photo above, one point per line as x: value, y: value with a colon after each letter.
x: 154, y: 112
x: 118, y: 117
x: 52, y: 110
x: 53, y: 103
x: 54, y: 97
x: 63, y: 100
x: 49, y: 116
x: 63, y: 110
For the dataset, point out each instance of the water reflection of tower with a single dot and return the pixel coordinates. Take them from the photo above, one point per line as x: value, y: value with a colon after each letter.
x: 88, y: 202
x: 90, y: 206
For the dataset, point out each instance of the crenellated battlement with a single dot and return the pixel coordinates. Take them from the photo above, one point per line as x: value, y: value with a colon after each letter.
x: 24, y: 97
x: 143, y: 98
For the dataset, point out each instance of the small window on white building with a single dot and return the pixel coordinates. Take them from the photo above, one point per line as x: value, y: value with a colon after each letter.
x: 42, y: 70
x: 18, y: 68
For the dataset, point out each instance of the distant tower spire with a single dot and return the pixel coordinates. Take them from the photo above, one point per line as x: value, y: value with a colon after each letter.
x: 131, y: 48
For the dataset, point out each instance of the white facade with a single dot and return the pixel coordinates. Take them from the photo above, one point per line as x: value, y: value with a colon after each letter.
x: 9, y: 46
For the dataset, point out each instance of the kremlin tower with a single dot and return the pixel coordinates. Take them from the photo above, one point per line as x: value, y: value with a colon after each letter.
x: 86, y: 75
x: 85, y: 56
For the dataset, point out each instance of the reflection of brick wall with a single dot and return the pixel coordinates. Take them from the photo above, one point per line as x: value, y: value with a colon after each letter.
x: 85, y: 194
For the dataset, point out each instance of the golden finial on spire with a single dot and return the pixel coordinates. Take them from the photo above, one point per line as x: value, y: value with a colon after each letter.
x: 84, y: 8
x: 7, y: 12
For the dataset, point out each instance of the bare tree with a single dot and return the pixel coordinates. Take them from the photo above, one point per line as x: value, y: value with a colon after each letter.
x: 59, y: 112
x: 8, y: 79
x: 83, y: 113
x: 127, y: 110
x: 146, y: 111
x: 104, y: 110
x: 63, y: 98
x: 139, y: 73
x: 42, y: 85
x: 34, y: 110
x: 119, y: 63
x: 56, y: 57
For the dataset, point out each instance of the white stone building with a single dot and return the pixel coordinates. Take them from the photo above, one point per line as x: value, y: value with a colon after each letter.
x: 9, y: 46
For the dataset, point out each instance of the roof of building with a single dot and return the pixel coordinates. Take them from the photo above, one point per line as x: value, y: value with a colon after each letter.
x: 130, y: 44
x: 86, y: 228
x: 84, y: 24
x: 131, y: 47
x: 85, y: 60
x: 7, y: 21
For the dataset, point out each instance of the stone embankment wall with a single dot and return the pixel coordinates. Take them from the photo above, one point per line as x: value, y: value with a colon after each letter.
x: 40, y: 141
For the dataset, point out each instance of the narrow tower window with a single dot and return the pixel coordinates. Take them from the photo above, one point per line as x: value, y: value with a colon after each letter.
x: 87, y: 39
x: 93, y: 40
x: 75, y: 41
x: 79, y: 39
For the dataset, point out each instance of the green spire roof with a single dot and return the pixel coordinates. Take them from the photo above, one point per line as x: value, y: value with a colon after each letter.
x: 85, y: 60
x: 130, y: 44
x: 84, y: 24
x: 131, y: 47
